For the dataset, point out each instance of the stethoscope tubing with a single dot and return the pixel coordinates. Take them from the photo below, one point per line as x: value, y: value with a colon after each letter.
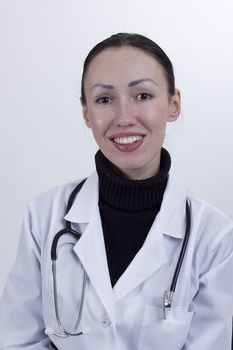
x: 184, y: 245
x: 62, y: 328
x: 67, y: 230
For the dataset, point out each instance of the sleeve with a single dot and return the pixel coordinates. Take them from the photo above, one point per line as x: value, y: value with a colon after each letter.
x: 21, y: 320
x: 211, y: 327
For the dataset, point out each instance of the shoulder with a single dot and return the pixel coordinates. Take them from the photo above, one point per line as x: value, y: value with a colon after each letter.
x: 53, y: 194
x: 54, y: 199
x: 211, y: 226
x: 208, y: 214
x: 201, y: 210
x: 211, y: 236
x: 176, y: 195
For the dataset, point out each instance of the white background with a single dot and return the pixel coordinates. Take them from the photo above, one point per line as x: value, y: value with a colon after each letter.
x: 43, y: 140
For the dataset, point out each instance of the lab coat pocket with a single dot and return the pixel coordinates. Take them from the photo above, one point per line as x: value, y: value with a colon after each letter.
x: 160, y: 334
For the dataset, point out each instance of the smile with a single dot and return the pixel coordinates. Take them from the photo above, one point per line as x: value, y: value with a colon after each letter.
x: 127, y: 140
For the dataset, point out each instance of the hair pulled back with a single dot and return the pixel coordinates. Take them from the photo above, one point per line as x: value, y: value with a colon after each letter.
x: 133, y: 40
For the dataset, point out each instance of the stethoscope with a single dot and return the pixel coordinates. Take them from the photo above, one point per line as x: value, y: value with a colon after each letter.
x: 168, y: 294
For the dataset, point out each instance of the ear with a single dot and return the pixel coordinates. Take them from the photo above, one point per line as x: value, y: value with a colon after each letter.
x: 175, y: 106
x: 86, y: 115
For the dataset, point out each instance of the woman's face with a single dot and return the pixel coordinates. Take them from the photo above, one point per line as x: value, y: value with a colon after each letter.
x: 127, y: 108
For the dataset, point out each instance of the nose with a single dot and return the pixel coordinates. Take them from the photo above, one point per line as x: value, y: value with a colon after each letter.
x: 124, y: 114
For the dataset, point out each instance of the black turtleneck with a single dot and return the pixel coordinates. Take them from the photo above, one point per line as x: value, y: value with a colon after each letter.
x: 127, y: 209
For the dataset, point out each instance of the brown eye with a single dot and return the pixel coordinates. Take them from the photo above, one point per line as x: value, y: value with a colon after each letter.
x: 144, y: 96
x: 104, y: 100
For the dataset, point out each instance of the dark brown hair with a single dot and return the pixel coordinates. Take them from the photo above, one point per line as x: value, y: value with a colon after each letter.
x: 134, y: 40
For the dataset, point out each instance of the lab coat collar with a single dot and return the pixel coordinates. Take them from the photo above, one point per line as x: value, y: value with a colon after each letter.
x: 172, y: 214
x: 85, y: 201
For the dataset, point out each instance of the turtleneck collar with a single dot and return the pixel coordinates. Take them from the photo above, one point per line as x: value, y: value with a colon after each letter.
x: 122, y: 193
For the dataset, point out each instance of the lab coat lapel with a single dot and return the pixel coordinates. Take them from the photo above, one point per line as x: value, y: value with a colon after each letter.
x: 170, y: 221
x: 90, y: 248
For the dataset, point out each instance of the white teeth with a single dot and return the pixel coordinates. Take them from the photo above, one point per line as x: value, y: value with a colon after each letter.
x: 127, y: 140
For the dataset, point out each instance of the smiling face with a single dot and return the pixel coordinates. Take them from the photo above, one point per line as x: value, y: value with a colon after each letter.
x: 127, y: 108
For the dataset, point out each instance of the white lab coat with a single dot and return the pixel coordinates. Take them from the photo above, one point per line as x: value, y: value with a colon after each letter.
x: 128, y: 316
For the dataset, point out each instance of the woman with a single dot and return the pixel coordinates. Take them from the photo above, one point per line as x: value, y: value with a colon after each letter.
x: 133, y: 219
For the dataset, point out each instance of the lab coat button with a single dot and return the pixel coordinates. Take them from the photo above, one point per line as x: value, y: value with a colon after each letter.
x: 106, y: 323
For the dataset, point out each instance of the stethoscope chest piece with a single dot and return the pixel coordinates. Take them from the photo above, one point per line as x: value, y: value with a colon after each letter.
x: 167, y: 302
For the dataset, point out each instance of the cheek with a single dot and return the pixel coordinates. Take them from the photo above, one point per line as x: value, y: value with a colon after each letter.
x: 99, y: 127
x: 95, y: 119
x: 156, y: 118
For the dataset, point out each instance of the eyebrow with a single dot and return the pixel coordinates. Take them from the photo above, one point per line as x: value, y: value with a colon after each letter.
x: 105, y: 86
x: 131, y: 84
x: 138, y: 81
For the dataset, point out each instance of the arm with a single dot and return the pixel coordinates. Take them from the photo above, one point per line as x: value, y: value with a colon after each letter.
x: 211, y: 327
x: 21, y: 320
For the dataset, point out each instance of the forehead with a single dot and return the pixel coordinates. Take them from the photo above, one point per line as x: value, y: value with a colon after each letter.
x: 123, y: 61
